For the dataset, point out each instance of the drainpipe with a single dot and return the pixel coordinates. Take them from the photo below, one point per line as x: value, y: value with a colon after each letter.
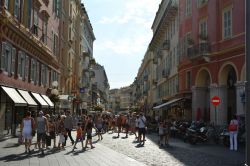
x: 247, y: 26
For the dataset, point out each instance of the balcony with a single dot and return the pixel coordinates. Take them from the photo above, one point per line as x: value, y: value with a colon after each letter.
x: 166, y: 45
x: 154, y: 82
x: 155, y: 60
x: 199, y: 50
x: 165, y: 73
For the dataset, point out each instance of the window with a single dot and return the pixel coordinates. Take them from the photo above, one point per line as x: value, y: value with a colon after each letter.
x: 55, y: 44
x: 185, y: 43
x: 35, y: 25
x: 188, y: 80
x: 16, y: 8
x: 6, y: 58
x: 227, y: 23
x: 21, y: 64
x: 29, y: 13
x: 44, y: 28
x: 201, y: 3
x: 56, y: 7
x: 53, y: 76
x: 6, y: 4
x: 203, y: 29
x: 188, y: 7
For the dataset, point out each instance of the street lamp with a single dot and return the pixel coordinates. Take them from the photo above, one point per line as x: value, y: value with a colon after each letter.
x: 54, y: 94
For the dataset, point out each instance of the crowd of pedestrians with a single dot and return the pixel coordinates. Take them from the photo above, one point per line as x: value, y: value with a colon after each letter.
x: 54, y: 131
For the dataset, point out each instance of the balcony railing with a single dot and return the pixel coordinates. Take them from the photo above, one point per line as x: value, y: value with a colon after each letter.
x: 166, y: 45
x: 199, y: 50
x: 165, y: 73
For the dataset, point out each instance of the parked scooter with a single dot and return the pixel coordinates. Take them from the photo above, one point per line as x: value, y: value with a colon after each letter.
x: 199, y: 133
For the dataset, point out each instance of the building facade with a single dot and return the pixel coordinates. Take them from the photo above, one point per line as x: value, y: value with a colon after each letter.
x: 213, y: 57
x: 100, y: 87
x: 29, y: 58
x: 77, y: 39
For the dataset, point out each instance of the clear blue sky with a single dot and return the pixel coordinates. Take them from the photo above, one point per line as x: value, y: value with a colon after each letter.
x: 123, y: 32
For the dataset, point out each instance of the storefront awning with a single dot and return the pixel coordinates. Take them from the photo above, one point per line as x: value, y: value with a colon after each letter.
x: 27, y: 97
x: 15, y: 97
x: 47, y: 99
x: 167, y: 103
x: 39, y: 98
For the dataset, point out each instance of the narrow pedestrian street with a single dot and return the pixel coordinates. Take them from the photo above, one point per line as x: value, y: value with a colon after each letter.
x: 123, y: 151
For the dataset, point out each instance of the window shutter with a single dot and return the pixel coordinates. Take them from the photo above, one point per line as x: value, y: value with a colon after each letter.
x: 26, y: 71
x: 38, y: 73
x: 3, y: 56
x: 8, y: 58
x: 13, y: 62
x: 31, y: 69
x: 19, y: 63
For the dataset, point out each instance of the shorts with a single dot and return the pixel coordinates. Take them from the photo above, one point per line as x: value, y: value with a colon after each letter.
x: 41, y: 137
x: 61, y: 139
x: 142, y: 131
x: 99, y: 130
x: 89, y: 136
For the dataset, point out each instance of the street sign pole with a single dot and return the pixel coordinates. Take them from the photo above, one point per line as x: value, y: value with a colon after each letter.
x: 247, y: 44
x: 215, y: 115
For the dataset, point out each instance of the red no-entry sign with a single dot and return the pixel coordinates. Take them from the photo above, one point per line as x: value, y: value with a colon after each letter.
x: 215, y: 100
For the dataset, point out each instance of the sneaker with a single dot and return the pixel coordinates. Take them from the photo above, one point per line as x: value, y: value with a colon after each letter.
x: 92, y: 147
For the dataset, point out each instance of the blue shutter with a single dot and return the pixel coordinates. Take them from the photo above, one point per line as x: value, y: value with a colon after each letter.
x: 13, y: 62
x: 3, y: 56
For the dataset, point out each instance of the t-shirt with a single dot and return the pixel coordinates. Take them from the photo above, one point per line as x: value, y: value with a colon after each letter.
x: 41, y: 123
x: 141, y: 122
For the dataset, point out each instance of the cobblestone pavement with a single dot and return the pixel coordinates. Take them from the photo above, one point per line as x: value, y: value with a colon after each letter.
x: 124, y: 151
x: 13, y: 155
x: 177, y: 153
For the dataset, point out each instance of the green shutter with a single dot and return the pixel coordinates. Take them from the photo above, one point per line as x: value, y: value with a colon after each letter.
x: 13, y: 58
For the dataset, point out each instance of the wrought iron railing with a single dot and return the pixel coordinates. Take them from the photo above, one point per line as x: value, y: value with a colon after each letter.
x: 199, y: 50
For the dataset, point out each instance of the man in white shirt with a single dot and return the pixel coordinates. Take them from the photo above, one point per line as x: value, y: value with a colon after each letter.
x: 142, y: 127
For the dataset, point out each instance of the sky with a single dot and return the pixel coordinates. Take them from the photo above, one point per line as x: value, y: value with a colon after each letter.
x: 123, y: 32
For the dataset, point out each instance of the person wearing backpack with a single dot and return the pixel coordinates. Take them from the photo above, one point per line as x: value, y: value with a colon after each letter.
x: 233, y: 130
